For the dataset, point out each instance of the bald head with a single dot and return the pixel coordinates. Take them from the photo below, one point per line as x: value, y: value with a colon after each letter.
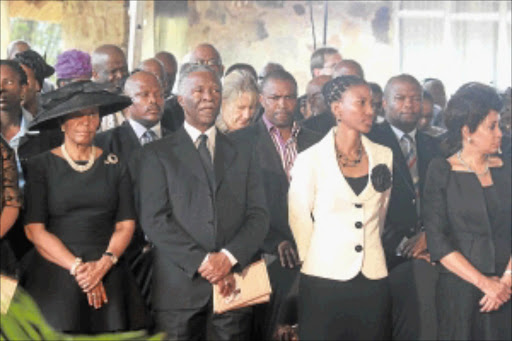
x: 170, y: 67
x: 16, y: 47
x: 109, y: 65
x: 147, y: 98
x: 207, y: 54
x: 348, y: 67
x: 154, y: 66
x: 315, y: 101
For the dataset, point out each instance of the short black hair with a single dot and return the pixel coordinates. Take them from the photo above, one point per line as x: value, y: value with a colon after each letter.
x: 469, y: 106
x: 401, y: 78
x: 15, y: 66
x: 376, y: 89
x: 428, y: 96
x: 279, y: 75
x: 34, y: 61
x: 242, y: 66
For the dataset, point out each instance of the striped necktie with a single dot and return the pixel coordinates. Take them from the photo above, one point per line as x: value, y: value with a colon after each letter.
x: 411, y: 158
x: 148, y: 136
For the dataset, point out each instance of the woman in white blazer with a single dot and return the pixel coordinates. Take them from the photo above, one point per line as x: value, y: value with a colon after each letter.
x: 338, y: 199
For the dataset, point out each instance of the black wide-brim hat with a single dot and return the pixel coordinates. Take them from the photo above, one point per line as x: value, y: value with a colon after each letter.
x: 74, y: 97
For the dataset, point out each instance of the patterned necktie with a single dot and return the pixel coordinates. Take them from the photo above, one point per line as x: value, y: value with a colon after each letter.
x: 148, y: 136
x: 411, y: 157
x: 206, y: 160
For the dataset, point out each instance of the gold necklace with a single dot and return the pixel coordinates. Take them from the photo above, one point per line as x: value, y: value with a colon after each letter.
x: 76, y: 166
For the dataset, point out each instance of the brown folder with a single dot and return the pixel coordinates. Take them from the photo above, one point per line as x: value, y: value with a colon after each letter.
x: 252, y: 287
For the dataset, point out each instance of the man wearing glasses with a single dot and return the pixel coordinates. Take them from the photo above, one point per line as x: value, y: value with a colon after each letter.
x: 207, y: 54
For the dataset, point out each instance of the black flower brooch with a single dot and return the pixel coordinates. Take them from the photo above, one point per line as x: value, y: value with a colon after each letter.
x: 381, y: 178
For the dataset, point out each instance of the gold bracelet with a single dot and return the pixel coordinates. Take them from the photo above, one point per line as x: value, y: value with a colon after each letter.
x: 75, y: 265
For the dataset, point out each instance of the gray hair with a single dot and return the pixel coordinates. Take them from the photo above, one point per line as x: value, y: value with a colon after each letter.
x: 238, y: 82
x: 187, y: 69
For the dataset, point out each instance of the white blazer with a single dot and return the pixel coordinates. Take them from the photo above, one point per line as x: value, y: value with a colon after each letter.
x: 338, y: 232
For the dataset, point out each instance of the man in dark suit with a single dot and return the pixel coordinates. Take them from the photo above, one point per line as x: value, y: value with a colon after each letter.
x: 206, y: 218
x: 403, y: 238
x: 142, y: 126
x: 143, y: 117
x: 278, y: 139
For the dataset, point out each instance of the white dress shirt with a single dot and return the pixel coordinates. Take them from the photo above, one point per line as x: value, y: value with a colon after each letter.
x: 139, y: 129
x: 338, y: 233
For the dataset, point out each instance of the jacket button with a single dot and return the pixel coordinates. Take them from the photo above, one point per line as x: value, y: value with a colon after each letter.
x: 359, y: 225
x: 358, y: 205
x: 359, y: 248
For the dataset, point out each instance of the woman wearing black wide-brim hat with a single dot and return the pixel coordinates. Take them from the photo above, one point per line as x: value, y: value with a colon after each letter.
x: 80, y: 217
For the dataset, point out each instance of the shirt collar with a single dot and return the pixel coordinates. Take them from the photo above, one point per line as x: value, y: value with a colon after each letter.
x: 271, y: 127
x: 399, y: 133
x: 139, y: 129
x: 194, y: 133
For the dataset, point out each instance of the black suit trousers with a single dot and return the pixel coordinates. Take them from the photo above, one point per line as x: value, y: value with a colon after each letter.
x: 203, y: 324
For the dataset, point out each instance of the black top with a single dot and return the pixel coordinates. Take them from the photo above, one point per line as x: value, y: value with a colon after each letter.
x: 461, y: 215
x: 358, y: 184
x: 81, y: 209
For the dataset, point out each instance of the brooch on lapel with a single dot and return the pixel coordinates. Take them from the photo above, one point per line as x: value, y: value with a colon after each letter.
x: 111, y: 159
x: 381, y: 178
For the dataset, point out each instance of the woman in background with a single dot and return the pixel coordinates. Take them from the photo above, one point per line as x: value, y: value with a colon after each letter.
x: 239, y: 101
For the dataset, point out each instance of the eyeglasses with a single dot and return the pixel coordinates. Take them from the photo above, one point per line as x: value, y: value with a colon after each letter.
x: 211, y: 62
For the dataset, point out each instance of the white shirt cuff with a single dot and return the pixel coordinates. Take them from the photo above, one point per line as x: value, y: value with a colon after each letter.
x: 231, y: 258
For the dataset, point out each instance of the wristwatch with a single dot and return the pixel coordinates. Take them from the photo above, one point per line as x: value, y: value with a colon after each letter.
x: 113, y: 257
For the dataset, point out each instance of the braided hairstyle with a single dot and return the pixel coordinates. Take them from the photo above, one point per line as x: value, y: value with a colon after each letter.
x: 34, y: 61
x: 334, y: 89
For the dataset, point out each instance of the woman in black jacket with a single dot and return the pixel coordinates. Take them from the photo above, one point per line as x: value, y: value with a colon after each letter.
x: 467, y: 214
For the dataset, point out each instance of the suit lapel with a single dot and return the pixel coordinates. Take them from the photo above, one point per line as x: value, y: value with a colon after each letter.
x: 225, y: 154
x: 399, y: 163
x: 187, y: 153
x: 271, y: 160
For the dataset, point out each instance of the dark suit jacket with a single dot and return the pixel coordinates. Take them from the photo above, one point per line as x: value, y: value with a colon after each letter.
x: 321, y: 123
x: 174, y: 116
x: 123, y: 142
x: 457, y: 217
x: 402, y: 219
x: 275, y: 180
x: 185, y: 221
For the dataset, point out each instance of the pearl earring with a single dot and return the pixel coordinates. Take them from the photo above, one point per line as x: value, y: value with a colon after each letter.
x: 469, y: 139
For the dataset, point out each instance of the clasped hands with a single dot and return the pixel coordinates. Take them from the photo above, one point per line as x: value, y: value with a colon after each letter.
x: 88, y: 276
x: 497, y: 292
x: 216, y: 269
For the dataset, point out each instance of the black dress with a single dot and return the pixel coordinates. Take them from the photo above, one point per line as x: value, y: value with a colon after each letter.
x: 461, y: 215
x: 81, y: 209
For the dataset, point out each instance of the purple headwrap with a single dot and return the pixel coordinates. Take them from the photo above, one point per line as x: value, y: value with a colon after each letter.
x: 73, y: 64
